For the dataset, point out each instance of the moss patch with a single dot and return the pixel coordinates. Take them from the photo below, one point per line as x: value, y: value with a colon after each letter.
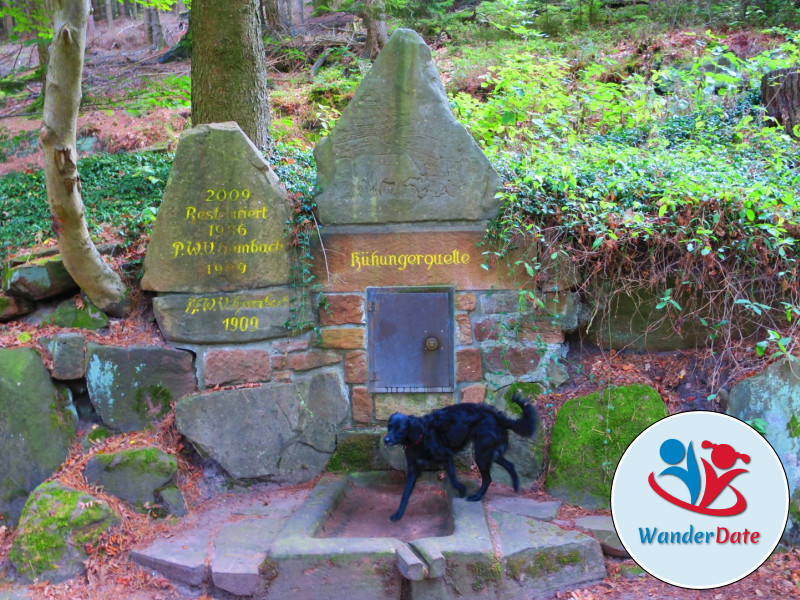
x: 544, y: 563
x: 529, y: 391
x: 590, y: 434
x: 354, y: 454
x: 57, y: 523
x: 484, y: 574
x: 152, y: 402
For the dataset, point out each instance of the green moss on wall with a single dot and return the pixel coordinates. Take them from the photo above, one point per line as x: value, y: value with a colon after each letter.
x: 589, y: 436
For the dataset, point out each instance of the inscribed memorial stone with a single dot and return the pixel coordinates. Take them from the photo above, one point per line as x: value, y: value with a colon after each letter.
x: 222, y: 221
x: 397, y: 154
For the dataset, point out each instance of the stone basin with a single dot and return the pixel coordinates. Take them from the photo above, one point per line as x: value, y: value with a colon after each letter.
x: 328, y: 544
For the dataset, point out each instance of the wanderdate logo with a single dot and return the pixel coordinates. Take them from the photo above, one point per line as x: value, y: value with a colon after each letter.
x: 723, y: 457
x: 700, y: 499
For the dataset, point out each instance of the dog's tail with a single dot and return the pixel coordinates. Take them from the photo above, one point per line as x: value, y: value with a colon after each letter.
x: 527, y: 423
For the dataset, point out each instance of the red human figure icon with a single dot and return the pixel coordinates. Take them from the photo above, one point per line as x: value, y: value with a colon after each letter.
x: 724, y: 457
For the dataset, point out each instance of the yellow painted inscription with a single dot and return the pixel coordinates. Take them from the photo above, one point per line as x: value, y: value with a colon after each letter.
x: 222, y: 231
x: 189, y: 248
x: 361, y: 260
x: 221, y: 195
x: 233, y: 303
x: 193, y: 214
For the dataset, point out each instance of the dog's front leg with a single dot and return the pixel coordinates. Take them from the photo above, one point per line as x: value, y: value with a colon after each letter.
x: 450, y: 469
x: 411, y: 479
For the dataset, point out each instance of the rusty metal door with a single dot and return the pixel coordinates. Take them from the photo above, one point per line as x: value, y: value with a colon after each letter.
x: 410, y: 340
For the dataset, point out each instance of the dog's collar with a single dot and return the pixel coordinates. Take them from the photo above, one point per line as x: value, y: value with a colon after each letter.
x: 417, y: 442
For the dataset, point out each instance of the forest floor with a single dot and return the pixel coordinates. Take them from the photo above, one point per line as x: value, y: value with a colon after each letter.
x: 118, y: 64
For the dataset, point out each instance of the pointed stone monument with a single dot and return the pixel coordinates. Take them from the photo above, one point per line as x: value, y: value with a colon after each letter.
x: 397, y: 154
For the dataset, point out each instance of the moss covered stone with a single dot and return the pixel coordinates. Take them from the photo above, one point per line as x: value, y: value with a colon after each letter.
x: 134, y: 475
x: 68, y: 314
x: 590, y: 434
x: 58, y: 524
x: 36, y: 428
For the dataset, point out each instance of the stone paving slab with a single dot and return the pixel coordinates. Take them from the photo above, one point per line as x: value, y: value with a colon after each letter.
x: 544, y: 511
x: 541, y: 558
x: 603, y: 530
x: 181, y: 558
x: 239, y: 549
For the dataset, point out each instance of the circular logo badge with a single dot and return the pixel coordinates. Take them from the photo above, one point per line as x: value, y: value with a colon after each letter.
x: 700, y: 499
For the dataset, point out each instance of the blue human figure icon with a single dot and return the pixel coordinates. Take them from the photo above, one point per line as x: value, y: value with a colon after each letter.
x: 672, y: 453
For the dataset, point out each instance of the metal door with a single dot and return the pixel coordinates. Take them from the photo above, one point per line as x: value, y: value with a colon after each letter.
x: 410, y: 340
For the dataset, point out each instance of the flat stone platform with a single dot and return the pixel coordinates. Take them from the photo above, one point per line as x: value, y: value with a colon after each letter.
x: 502, y: 548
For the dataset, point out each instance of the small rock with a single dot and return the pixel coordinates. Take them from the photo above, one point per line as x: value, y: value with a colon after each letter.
x: 68, y: 353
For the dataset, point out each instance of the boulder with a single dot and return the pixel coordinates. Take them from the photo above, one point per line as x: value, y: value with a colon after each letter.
x: 130, y: 387
x: 589, y: 436
x: 39, y: 279
x: 135, y: 475
x: 58, y: 524
x: 631, y: 321
x: 277, y: 431
x: 221, y: 224
x: 772, y: 399
x: 397, y: 154
x: 36, y: 428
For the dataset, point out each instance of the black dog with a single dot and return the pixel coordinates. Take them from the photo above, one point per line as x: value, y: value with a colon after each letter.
x: 436, y: 437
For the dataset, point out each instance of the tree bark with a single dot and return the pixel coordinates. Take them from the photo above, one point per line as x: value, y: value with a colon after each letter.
x: 109, y: 12
x: 374, y: 15
x: 157, y: 33
x: 229, y: 78
x: 57, y: 139
x: 780, y: 94
x: 8, y: 21
x: 273, y: 19
x: 148, y: 29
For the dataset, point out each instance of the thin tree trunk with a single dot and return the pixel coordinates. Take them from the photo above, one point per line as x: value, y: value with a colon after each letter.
x: 229, y: 75
x: 780, y: 94
x: 155, y: 27
x: 273, y: 19
x: 148, y: 29
x: 374, y: 15
x: 8, y: 22
x: 109, y: 13
x: 57, y: 139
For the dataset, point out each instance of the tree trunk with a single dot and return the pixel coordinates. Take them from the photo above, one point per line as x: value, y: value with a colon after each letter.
x: 148, y: 29
x: 780, y: 94
x: 8, y: 22
x: 109, y: 12
x: 57, y: 139
x: 229, y: 78
x: 374, y: 15
x: 155, y: 27
x: 273, y: 20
